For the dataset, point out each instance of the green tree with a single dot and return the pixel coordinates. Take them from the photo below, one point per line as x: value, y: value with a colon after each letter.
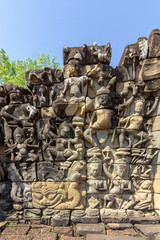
x: 14, y: 71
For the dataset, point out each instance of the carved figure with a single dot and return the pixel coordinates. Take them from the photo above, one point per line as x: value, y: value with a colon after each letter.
x: 101, y: 118
x: 144, y: 156
x: 21, y: 192
x: 90, y: 128
x: 56, y: 195
x: 75, y: 171
x: 142, y: 199
x: 133, y: 123
x: 118, y: 186
x: 76, y: 88
x: 63, y: 149
x: 20, y: 144
x: 14, y: 114
x: 104, y: 55
x: 48, y: 133
x: 40, y: 96
x: 94, y: 168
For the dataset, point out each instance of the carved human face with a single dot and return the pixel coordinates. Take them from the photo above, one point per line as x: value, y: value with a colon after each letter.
x: 139, y: 107
x: 104, y: 99
x: 49, y: 194
x: 44, y: 194
x: 14, y: 97
x: 121, y: 169
x: 19, y: 139
x: 65, y: 132
x: 94, y: 169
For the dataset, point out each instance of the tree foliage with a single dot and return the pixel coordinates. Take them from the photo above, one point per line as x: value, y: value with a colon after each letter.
x: 14, y: 71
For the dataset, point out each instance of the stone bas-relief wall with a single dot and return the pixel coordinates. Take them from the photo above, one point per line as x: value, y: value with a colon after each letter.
x: 83, y: 144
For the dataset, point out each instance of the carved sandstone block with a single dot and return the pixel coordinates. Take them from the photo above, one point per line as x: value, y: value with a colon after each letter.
x: 93, y: 71
x: 113, y: 216
x: 59, y: 195
x: 55, y: 217
x: 61, y: 171
x: 83, y: 229
x: 21, y: 192
x: 32, y: 214
x: 44, y: 76
x: 88, y: 216
x: 150, y: 69
x: 87, y: 54
x: 154, y: 44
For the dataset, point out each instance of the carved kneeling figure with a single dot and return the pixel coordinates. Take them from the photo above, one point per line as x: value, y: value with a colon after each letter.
x: 142, y: 199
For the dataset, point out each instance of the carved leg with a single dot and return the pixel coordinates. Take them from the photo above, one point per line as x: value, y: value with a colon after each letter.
x: 121, y: 138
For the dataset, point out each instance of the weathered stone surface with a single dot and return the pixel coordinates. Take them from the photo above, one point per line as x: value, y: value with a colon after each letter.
x: 52, y: 236
x: 152, y: 86
x: 84, y: 229
x: 103, y: 237
x: 2, y: 226
x: 31, y: 214
x: 156, y: 236
x: 58, y: 191
x: 94, y: 70
x: 39, y: 229
x: 19, y: 237
x: 113, y: 216
x: 71, y: 238
x: 66, y: 231
x: 88, y: 216
x: 154, y: 44
x: 56, y: 217
x: 45, y: 76
x: 143, y: 220
x: 156, y: 201
x: 87, y: 54
x: 129, y: 51
x: 150, y: 69
x: 148, y: 230
x: 83, y: 146
x: 119, y: 226
x: 122, y: 74
x: 16, y: 229
x: 129, y: 232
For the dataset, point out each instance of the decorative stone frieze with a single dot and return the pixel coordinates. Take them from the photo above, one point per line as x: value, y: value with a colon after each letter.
x: 83, y: 144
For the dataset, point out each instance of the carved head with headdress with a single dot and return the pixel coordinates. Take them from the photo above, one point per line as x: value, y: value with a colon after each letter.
x: 65, y: 130
x: 19, y: 135
x: 94, y: 167
x: 139, y: 106
x: 103, y: 98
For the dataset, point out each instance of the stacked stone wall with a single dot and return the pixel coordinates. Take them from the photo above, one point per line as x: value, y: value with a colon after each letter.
x: 82, y: 145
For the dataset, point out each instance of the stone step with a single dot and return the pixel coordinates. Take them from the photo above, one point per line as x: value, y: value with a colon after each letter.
x: 148, y: 230
x: 71, y: 238
x: 129, y: 232
x: 17, y: 237
x: 46, y: 237
x: 29, y: 237
x: 109, y: 237
x: 84, y: 229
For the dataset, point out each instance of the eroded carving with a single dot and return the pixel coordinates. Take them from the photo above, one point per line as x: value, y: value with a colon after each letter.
x: 58, y: 195
x: 94, y: 129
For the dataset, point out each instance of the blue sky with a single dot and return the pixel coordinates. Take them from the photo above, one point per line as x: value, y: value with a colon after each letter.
x: 29, y: 27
